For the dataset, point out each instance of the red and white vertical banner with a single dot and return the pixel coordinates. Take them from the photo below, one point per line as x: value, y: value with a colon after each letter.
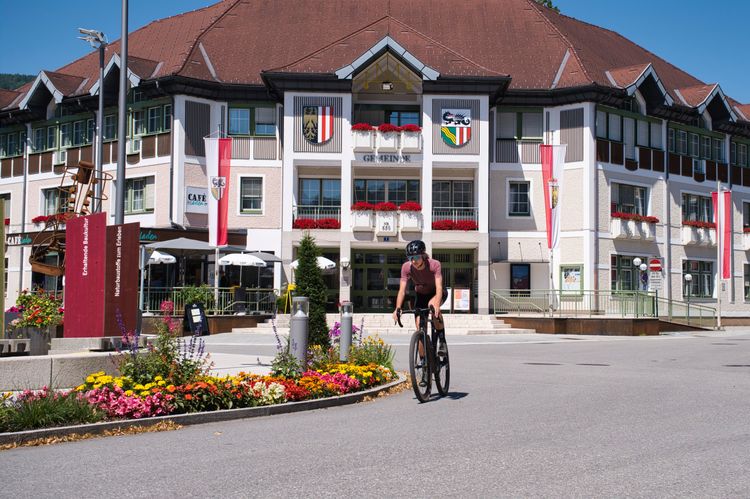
x: 553, y: 161
x: 723, y: 217
x: 218, y: 160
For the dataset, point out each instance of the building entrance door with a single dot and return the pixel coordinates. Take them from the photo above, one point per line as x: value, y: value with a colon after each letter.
x: 375, y: 279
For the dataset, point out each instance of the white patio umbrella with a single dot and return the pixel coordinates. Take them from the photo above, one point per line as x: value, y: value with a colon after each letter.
x: 241, y: 260
x: 159, y: 257
x: 323, y: 264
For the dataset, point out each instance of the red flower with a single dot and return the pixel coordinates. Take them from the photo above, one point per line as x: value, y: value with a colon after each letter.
x: 328, y: 223
x: 700, y: 225
x: 385, y: 207
x: 39, y: 219
x: 466, y: 225
x: 304, y: 223
x: 362, y: 206
x: 388, y: 128
x: 411, y: 128
x: 7, y: 221
x: 410, y: 206
x: 443, y: 225
x: 362, y: 127
x: 634, y: 216
x: 746, y: 230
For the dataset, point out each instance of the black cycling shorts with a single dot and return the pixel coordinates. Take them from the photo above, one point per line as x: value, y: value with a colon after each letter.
x: 423, y: 301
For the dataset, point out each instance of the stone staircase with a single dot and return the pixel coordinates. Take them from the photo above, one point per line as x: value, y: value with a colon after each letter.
x: 382, y: 324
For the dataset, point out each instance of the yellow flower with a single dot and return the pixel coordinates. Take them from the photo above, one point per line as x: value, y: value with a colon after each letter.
x: 89, y: 379
x: 80, y: 388
x: 145, y: 394
x: 158, y: 378
x: 129, y: 393
x: 162, y: 383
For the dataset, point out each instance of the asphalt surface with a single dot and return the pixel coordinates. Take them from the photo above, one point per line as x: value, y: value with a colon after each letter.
x: 531, y: 416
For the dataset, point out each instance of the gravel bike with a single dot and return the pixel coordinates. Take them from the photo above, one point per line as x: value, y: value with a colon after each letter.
x: 426, y: 358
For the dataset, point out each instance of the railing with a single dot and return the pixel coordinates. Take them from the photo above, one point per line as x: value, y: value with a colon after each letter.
x: 455, y: 214
x: 631, y: 304
x: 217, y: 301
x: 507, y: 151
x: 254, y: 147
x: 317, y: 212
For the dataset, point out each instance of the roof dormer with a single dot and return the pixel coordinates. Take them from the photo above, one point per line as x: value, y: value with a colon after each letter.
x: 48, y: 86
x: 641, y: 78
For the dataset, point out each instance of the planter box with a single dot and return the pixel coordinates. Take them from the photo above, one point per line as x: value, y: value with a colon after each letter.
x: 362, y: 220
x: 698, y: 236
x: 39, y: 338
x: 410, y: 220
x: 411, y: 141
x: 631, y: 229
x: 363, y: 141
x: 388, y: 142
x: 386, y: 223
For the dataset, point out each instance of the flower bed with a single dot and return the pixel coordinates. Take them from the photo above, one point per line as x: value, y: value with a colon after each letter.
x: 410, y: 206
x: 321, y: 223
x: 635, y: 217
x: 700, y: 225
x: 454, y: 225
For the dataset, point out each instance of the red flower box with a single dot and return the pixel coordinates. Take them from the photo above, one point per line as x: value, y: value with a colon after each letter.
x: 443, y: 225
x: 388, y: 128
x: 362, y: 206
x: 311, y: 223
x: 39, y: 219
x: 362, y: 127
x: 328, y: 223
x: 411, y: 128
x: 385, y: 207
x: 746, y: 230
x: 7, y: 221
x: 304, y: 223
x: 410, y: 206
x: 466, y: 225
x: 634, y: 216
x: 700, y: 225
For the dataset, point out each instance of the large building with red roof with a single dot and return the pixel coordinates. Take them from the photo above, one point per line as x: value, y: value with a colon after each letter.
x: 304, y: 88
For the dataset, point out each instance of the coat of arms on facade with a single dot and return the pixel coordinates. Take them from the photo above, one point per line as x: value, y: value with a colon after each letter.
x: 317, y: 124
x: 554, y: 193
x: 456, y: 126
x: 218, y: 184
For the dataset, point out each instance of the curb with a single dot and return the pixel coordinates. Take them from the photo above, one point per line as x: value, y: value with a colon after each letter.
x: 20, y: 437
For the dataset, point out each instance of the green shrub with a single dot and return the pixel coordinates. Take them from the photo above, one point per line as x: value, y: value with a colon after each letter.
x: 372, y: 350
x: 46, y: 409
x: 309, y: 283
x: 202, y: 294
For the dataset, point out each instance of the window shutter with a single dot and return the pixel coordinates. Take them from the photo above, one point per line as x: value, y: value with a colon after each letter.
x: 507, y: 125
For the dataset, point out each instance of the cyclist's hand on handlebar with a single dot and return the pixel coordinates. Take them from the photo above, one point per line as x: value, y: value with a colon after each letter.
x: 435, y: 304
x: 397, y: 317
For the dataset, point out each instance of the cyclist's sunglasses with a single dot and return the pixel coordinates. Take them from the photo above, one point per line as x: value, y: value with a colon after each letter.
x: 415, y: 258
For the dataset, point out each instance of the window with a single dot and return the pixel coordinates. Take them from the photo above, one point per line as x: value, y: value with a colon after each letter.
x: 745, y: 216
x: 65, y: 137
x: 139, y: 195
x: 733, y: 153
x: 251, y: 195
x: 628, y: 132
x: 154, y: 120
x: 79, y: 132
x: 3, y: 145
x: 707, y: 147
x: 110, y: 127
x: 395, y: 114
x: 615, y: 127
x: 742, y: 155
x: 51, y: 137
x: 393, y: 191
x: 401, y: 118
x: 90, y: 127
x: 520, y: 125
x: 139, y: 122
x: 747, y: 282
x: 6, y: 197
x: 452, y: 194
x: 39, y: 137
x: 718, y: 150
x: 624, y: 275
x: 265, y: 121
x: 697, y: 208
x: 12, y: 144
x: 643, y: 133
x: 55, y: 200
x: 519, y: 204
x: 320, y: 192
x: 682, y: 144
x: 694, y: 145
x: 702, y: 273
x: 629, y: 199
x: 167, y: 117
x: 239, y: 121
x: 671, y: 140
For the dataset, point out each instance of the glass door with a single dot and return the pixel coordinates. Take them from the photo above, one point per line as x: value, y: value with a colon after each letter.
x: 375, y: 279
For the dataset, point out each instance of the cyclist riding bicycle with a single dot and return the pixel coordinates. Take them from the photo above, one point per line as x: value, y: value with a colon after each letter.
x: 425, y: 273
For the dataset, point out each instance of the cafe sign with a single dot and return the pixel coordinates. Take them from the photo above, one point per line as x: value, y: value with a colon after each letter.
x: 196, y: 200
x: 18, y: 240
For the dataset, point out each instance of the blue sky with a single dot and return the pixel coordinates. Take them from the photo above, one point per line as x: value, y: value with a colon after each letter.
x: 707, y: 39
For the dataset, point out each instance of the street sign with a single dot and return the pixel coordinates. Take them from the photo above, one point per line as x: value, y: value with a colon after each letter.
x: 654, y: 265
x: 655, y: 281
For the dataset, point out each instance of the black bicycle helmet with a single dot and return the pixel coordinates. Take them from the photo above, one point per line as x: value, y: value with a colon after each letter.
x: 415, y: 248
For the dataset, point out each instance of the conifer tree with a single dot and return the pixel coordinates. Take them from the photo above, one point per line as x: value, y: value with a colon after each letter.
x: 309, y: 281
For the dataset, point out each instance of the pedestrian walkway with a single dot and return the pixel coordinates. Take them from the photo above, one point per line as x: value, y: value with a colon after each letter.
x: 229, y: 364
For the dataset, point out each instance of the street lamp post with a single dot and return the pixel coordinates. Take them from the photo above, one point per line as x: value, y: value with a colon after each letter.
x: 642, y: 279
x: 688, y: 280
x: 97, y: 39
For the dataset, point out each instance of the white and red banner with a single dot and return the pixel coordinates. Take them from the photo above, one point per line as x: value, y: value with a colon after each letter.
x: 723, y: 218
x: 553, y: 160
x: 218, y: 159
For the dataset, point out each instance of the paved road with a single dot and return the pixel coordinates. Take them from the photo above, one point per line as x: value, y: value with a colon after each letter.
x: 590, y: 417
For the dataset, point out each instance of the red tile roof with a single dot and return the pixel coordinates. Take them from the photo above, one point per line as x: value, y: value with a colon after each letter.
x: 67, y: 84
x: 624, y: 77
x: 233, y: 41
x: 7, y: 97
x: 695, y: 95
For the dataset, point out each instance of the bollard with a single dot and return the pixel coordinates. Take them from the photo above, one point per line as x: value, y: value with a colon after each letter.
x: 345, y: 339
x: 298, y: 329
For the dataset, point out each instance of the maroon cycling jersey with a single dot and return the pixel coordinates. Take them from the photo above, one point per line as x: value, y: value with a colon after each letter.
x: 424, y: 279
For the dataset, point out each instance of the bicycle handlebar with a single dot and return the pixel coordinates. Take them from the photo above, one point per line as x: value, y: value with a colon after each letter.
x: 428, y: 313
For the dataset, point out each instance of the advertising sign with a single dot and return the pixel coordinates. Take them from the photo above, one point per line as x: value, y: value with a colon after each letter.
x: 571, y: 281
x: 121, y: 279
x: 196, y: 200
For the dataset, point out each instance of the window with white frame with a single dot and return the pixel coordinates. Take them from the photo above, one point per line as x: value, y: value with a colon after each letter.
x: 682, y: 142
x: 742, y: 155
x: 139, y: 195
x: 66, y: 139
x: 154, y: 123
x: 239, y: 121
x: 629, y: 199
x: 671, y: 139
x: 110, y: 127
x: 520, y: 125
x: 55, y: 200
x: 138, y: 125
x: 624, y: 275
x: 701, y: 284
x: 39, y: 139
x: 320, y: 192
x: 90, y: 128
x: 51, y: 137
x: 519, y: 202
x: 393, y: 191
x: 167, y: 117
x: 695, y: 145
x: 696, y: 208
x: 265, y: 121
x: 452, y: 194
x: 718, y: 154
x: 706, y: 147
x: 251, y: 195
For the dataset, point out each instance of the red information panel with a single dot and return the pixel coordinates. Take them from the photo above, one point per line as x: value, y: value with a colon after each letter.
x: 121, y: 289
x: 85, y: 255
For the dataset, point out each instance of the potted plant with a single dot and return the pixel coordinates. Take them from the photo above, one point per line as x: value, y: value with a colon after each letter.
x: 411, y: 138
x: 362, y: 137
x: 410, y: 216
x: 39, y: 315
x: 362, y: 215
x: 388, y: 137
x: 386, y: 219
x: 304, y: 223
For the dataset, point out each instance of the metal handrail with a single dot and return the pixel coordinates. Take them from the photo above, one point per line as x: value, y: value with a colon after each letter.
x: 219, y: 301
x: 316, y: 212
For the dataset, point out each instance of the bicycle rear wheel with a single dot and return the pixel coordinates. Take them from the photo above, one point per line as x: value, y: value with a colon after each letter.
x: 442, y: 365
x: 419, y: 366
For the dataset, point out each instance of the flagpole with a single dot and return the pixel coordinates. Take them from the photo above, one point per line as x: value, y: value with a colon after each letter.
x: 719, y: 240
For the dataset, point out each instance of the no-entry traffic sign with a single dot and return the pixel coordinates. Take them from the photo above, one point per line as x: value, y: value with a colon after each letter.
x: 654, y: 265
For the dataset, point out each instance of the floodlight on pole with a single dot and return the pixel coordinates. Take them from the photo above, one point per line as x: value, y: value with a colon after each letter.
x: 97, y: 39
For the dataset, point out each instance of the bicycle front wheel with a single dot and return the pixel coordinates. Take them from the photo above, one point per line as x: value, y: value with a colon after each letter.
x: 442, y: 365
x: 419, y: 365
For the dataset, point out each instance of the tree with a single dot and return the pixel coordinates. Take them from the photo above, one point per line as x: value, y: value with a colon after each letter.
x: 13, y: 81
x: 548, y: 4
x: 310, y: 283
